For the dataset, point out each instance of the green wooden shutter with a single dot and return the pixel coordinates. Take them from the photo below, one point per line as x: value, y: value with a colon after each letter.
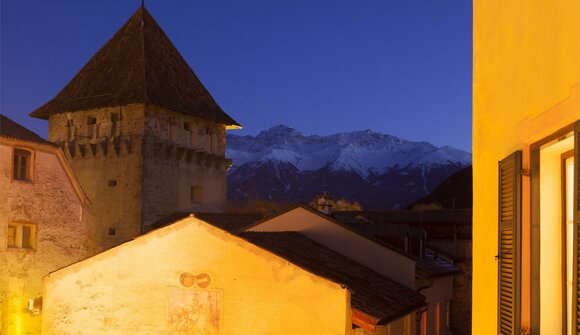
x: 509, y: 244
x: 576, y: 306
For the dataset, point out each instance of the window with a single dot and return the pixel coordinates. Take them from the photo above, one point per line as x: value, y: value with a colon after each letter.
x: 69, y: 130
x: 21, y: 236
x: 197, y: 194
x: 114, y: 119
x: 91, y: 124
x: 21, y: 167
x: 112, y: 232
x: 555, y: 215
x: 568, y: 174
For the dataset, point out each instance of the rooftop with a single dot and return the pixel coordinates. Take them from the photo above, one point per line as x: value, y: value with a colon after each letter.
x: 9, y: 128
x: 371, y: 292
x: 139, y: 64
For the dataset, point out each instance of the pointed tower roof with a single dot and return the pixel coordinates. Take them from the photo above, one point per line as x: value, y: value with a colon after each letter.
x: 139, y: 64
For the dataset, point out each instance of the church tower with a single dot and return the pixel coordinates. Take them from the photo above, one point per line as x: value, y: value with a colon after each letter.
x: 143, y: 135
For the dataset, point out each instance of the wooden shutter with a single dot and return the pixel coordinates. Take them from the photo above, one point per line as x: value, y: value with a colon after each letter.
x: 509, y: 244
x: 576, y: 306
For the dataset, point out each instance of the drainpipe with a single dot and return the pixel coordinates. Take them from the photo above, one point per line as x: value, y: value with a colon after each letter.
x: 418, y: 317
x: 420, y: 312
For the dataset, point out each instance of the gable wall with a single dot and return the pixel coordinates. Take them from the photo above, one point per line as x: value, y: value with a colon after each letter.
x: 52, y: 205
x: 131, y: 289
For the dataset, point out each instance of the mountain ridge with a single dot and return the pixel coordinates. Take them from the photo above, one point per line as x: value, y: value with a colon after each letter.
x: 283, y: 164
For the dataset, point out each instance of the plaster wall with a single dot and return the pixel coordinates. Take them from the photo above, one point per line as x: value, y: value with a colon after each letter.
x: 385, y: 261
x: 129, y: 289
x: 50, y: 203
x: 526, y: 78
x: 439, y: 293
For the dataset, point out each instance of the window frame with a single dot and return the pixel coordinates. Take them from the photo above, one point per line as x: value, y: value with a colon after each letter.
x: 535, y: 221
x: 31, y: 161
x: 18, y: 237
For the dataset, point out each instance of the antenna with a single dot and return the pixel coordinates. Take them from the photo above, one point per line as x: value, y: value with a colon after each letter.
x: 142, y: 3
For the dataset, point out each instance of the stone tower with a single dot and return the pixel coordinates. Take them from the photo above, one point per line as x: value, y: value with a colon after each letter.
x: 143, y: 135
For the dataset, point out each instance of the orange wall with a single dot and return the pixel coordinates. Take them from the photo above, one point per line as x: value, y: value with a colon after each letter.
x: 526, y: 74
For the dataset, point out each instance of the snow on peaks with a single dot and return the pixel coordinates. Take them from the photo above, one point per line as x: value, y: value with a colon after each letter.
x: 364, y: 152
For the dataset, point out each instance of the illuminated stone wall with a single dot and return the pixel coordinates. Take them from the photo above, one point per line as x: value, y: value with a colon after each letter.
x: 526, y: 75
x: 56, y: 210
x: 187, y: 276
x: 138, y: 163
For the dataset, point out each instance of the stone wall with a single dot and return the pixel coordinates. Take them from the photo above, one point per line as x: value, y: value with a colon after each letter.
x: 108, y: 166
x: 138, y: 163
x: 52, y: 205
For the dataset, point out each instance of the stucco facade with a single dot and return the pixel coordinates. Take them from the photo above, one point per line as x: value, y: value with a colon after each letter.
x: 52, y: 204
x: 143, y: 286
x: 526, y: 87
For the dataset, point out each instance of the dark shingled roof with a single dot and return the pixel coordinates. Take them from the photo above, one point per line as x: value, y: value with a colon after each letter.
x: 371, y: 292
x: 231, y: 222
x: 139, y: 64
x: 425, y: 217
x: 9, y: 128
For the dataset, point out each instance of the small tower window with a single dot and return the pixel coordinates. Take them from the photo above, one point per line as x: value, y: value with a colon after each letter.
x: 112, y: 232
x: 91, y: 122
x: 114, y: 119
x: 69, y: 130
x: 197, y: 194
x: 21, y: 167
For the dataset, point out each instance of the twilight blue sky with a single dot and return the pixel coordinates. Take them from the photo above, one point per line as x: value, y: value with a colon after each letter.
x: 401, y: 67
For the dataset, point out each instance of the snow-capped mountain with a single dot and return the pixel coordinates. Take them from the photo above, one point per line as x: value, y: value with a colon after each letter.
x: 380, y: 171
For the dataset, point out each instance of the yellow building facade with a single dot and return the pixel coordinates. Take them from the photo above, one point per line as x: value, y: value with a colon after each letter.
x: 526, y: 112
x: 191, y: 278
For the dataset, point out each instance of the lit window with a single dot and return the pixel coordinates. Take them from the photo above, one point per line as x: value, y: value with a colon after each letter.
x: 21, y: 167
x: 21, y: 235
x: 197, y: 194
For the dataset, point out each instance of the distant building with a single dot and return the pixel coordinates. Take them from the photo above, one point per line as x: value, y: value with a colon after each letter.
x: 441, y: 241
x: 526, y: 170
x: 143, y: 135
x: 192, y: 277
x: 43, y: 223
x: 430, y: 275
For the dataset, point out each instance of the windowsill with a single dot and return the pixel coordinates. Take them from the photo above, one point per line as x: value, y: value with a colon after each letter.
x: 16, y: 249
x: 26, y: 181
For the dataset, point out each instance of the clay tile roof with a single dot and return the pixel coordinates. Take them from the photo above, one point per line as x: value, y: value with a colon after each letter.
x: 371, y: 292
x: 139, y: 64
x: 9, y: 128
